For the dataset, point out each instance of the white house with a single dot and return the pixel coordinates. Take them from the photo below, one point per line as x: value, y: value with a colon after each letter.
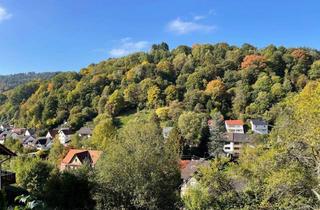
x: 259, y: 126
x: 65, y: 135
x: 235, y: 142
x: 234, y: 126
x: 52, y: 133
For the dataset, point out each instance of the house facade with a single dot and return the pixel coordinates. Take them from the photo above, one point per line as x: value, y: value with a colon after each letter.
x: 65, y: 135
x: 259, y: 126
x: 234, y: 143
x: 78, y: 157
x: 234, y: 126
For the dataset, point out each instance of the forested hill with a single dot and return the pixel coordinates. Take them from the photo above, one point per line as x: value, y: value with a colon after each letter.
x: 239, y: 82
x: 11, y: 81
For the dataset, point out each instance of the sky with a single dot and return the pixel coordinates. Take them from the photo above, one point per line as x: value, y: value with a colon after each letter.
x: 65, y: 35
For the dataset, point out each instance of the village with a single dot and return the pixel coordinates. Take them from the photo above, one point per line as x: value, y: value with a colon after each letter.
x: 234, y: 138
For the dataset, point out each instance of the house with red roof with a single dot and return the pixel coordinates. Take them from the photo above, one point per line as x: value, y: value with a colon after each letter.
x: 75, y: 158
x: 234, y: 126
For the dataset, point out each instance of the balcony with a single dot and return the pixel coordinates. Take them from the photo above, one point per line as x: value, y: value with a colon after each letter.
x: 7, y: 178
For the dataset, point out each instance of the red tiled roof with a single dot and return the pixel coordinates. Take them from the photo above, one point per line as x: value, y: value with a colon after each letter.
x: 184, y: 163
x: 234, y: 122
x: 94, y: 154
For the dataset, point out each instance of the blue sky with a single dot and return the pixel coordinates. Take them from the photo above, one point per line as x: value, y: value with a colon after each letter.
x: 58, y: 35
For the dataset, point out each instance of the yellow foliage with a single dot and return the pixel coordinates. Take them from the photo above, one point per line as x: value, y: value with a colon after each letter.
x: 215, y: 88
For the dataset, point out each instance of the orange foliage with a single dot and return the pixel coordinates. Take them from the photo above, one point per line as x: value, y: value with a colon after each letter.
x: 50, y: 87
x: 299, y: 54
x: 258, y: 61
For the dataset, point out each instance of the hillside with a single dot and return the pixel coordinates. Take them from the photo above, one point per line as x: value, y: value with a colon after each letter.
x: 238, y: 82
x: 11, y: 81
x: 191, y: 91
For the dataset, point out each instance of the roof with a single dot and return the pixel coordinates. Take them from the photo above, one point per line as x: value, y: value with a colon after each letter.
x: 42, y: 141
x: 53, y: 132
x: 18, y: 131
x: 66, y: 131
x: 31, y: 131
x: 190, y: 167
x: 94, y: 155
x: 183, y: 163
x: 237, y: 137
x: 234, y: 122
x: 258, y: 122
x: 85, y: 131
x: 5, y: 151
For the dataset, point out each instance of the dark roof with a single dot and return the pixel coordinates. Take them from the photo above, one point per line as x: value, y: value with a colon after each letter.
x: 5, y: 151
x: 53, y: 132
x: 31, y: 131
x: 237, y: 137
x: 258, y: 122
x: 85, y: 131
x: 42, y: 141
x: 67, y: 131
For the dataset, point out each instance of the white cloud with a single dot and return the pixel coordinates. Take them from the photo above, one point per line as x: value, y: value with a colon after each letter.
x: 127, y: 46
x: 4, y: 15
x: 179, y: 26
x: 199, y: 17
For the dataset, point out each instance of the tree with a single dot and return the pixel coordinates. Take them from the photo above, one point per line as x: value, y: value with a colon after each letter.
x: 256, y: 61
x: 192, y: 126
x: 61, y: 186
x: 56, y: 152
x: 314, y: 72
x: 153, y: 96
x: 139, y: 172
x: 215, y: 88
x: 115, y: 103
x: 32, y: 174
x: 103, y: 133
x: 213, y: 189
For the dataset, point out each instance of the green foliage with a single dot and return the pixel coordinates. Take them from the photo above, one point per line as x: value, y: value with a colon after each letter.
x: 32, y: 174
x: 103, y: 133
x: 139, y: 171
x: 70, y: 190
x: 192, y: 125
x: 202, y: 78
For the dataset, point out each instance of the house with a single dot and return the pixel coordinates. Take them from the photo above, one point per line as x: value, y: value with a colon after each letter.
x: 188, y: 169
x: 85, y: 132
x: 27, y: 140
x: 234, y: 126
x: 166, y: 132
x: 41, y: 143
x: 29, y: 132
x: 259, y: 126
x: 78, y: 157
x: 4, y: 127
x: 65, y: 135
x: 52, y: 133
x: 234, y: 143
x: 4, y: 135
